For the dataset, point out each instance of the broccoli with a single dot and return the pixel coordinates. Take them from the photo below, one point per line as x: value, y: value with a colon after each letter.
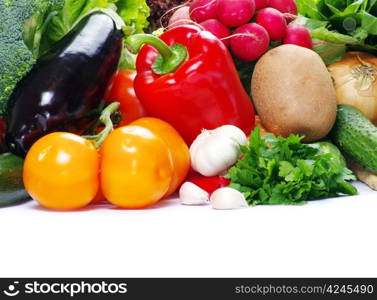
x: 15, y: 58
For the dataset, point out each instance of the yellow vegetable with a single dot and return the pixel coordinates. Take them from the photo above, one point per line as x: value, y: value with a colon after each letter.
x: 355, y: 80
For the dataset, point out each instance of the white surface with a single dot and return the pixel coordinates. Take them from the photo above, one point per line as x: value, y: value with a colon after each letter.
x: 333, y: 237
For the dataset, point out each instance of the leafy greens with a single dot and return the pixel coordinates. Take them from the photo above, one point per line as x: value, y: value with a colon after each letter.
x: 43, y: 30
x: 337, y: 25
x: 277, y: 170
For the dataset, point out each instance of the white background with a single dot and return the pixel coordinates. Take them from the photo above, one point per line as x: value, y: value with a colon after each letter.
x: 333, y: 237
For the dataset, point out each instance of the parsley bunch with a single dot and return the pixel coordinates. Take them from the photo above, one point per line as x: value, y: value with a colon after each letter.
x: 277, y: 170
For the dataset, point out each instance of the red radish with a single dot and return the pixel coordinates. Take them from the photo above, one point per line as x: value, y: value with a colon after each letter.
x: 217, y: 29
x: 180, y: 16
x: 298, y: 35
x: 233, y: 13
x: 250, y: 42
x: 284, y: 6
x: 274, y: 22
x: 288, y: 7
x: 201, y: 10
x: 259, y: 4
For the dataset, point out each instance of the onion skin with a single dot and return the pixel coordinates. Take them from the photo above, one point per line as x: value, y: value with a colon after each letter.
x: 350, y: 85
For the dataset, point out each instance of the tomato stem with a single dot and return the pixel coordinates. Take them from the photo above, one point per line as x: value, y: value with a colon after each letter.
x: 105, y: 119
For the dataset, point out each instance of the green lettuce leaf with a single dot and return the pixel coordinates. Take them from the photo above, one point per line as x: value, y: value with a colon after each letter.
x: 369, y: 23
x: 134, y: 13
x: 44, y: 30
x: 340, y: 25
x: 65, y: 19
x: 329, y: 52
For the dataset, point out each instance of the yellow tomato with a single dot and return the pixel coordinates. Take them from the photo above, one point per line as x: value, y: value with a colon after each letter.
x: 177, y: 146
x: 136, y: 167
x: 61, y: 171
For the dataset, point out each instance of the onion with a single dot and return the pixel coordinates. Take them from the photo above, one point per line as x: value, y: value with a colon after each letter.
x: 355, y: 80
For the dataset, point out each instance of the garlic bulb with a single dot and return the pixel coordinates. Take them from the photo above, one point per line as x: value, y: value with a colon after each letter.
x: 355, y: 80
x: 191, y: 194
x: 227, y: 198
x: 214, y: 151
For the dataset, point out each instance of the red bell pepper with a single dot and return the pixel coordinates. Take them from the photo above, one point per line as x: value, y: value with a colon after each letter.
x: 187, y: 77
x: 209, y: 184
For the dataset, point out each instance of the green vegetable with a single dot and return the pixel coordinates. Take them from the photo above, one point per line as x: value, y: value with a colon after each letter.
x: 277, y: 170
x: 57, y: 22
x: 11, y: 186
x: 356, y: 136
x: 30, y: 28
x: 133, y: 12
x: 15, y: 58
x: 245, y: 71
x: 336, y: 25
x: 328, y: 147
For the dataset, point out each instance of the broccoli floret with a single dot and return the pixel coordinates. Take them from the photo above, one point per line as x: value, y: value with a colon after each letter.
x: 15, y: 58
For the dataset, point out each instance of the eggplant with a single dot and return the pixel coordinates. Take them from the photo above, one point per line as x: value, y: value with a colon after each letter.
x: 66, y: 84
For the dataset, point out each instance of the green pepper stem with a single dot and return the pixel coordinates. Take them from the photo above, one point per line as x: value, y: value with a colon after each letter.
x: 136, y: 41
x: 169, y: 58
x: 105, y: 119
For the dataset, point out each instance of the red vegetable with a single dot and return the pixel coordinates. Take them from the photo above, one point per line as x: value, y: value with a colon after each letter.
x: 209, y: 184
x: 250, y: 42
x: 298, y: 35
x: 201, y: 10
x: 259, y: 4
x: 274, y: 22
x: 180, y: 16
x: 285, y: 6
x: 121, y: 89
x: 233, y: 13
x: 217, y: 29
x: 192, y: 85
x: 288, y: 7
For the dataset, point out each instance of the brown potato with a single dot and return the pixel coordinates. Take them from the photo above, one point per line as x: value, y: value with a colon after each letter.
x: 293, y: 93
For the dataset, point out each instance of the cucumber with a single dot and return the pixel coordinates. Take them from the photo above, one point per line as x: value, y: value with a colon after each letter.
x: 11, y: 185
x: 356, y: 136
x: 337, y: 157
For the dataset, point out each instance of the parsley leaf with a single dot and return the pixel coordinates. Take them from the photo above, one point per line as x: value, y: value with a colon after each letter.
x: 277, y: 170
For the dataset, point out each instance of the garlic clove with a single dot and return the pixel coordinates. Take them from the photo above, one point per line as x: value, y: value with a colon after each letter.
x: 215, y: 157
x: 227, y: 198
x: 232, y: 132
x: 191, y: 194
x: 214, y: 151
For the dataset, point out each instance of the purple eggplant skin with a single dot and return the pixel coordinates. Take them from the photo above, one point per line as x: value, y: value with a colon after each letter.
x: 66, y: 84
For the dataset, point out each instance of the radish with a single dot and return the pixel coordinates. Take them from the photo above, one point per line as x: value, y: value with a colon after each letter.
x: 259, y: 4
x: 233, y: 13
x: 217, y: 29
x: 288, y: 7
x: 284, y: 6
x: 298, y: 35
x: 250, y: 42
x: 201, y: 10
x: 180, y: 16
x: 274, y: 22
